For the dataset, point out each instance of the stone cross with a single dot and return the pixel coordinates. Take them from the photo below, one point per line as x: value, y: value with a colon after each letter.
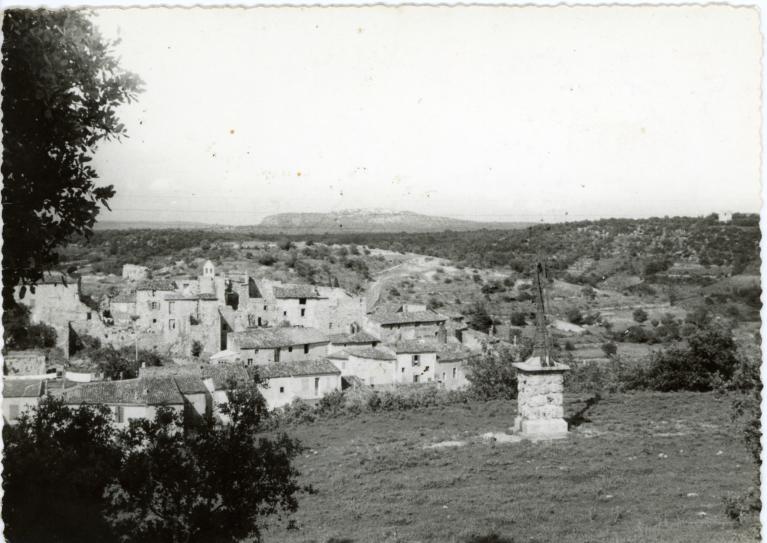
x: 540, y: 409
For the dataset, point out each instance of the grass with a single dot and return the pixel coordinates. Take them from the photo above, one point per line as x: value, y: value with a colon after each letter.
x: 641, y: 467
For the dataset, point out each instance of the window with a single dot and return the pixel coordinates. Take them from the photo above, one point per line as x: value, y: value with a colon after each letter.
x: 290, y: 349
x: 277, y: 354
x: 154, y: 320
x: 302, y: 301
x: 282, y: 390
x: 250, y: 361
x: 416, y: 360
x: 88, y: 316
x: 170, y: 307
x: 454, y: 372
x: 284, y: 313
x: 415, y: 378
x: 119, y: 414
x: 306, y: 349
x: 172, y: 324
x: 316, y: 386
x: 443, y: 376
x: 303, y: 311
x: 403, y: 370
x: 13, y: 412
x: 264, y: 308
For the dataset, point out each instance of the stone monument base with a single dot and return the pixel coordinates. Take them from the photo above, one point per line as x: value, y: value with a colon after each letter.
x: 541, y: 410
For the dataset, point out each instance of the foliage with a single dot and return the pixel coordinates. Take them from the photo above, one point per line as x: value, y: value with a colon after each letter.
x: 57, y: 462
x: 196, y: 348
x: 492, y: 375
x: 609, y: 348
x: 574, y: 315
x: 640, y: 315
x: 518, y: 318
x: 478, y: 318
x: 708, y: 360
x: 20, y: 333
x: 122, y: 363
x: 216, y: 484
x: 62, y: 86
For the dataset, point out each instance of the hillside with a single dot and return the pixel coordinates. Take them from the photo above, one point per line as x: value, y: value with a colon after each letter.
x: 371, y: 220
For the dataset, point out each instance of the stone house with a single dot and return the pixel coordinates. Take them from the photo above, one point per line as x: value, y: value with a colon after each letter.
x: 20, y: 395
x: 130, y: 398
x: 282, y: 344
x: 374, y: 366
x: 452, y: 365
x: 308, y: 380
x: 122, y: 308
x: 416, y: 361
x: 56, y: 301
x: 300, y: 305
x: 404, y: 325
x: 133, y: 272
x: 339, y: 311
x: 355, y: 339
x: 151, y: 306
x: 190, y: 318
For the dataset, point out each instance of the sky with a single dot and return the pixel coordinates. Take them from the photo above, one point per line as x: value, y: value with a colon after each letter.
x: 485, y: 113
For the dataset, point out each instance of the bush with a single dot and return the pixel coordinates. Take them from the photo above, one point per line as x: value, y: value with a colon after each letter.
x: 574, y: 315
x: 492, y: 376
x: 610, y: 349
x: 640, y: 315
x: 709, y: 360
x: 21, y: 334
x: 267, y: 259
x: 518, y: 318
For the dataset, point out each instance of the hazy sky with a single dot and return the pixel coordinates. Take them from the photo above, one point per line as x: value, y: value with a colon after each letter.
x: 487, y: 113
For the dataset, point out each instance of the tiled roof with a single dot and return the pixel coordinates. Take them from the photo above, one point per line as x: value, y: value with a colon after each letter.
x: 352, y: 339
x: 371, y: 353
x: 339, y: 355
x: 296, y: 291
x: 22, y: 388
x: 222, y: 375
x: 271, y: 338
x: 453, y: 352
x: 297, y: 369
x: 140, y: 391
x: 124, y: 298
x: 190, y: 384
x: 157, y: 284
x: 414, y: 346
x: 407, y: 317
x: 207, y: 296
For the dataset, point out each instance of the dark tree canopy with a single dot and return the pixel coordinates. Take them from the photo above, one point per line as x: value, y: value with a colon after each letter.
x: 62, y: 86
x: 57, y: 462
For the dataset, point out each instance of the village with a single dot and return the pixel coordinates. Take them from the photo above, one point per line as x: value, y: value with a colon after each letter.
x: 304, y: 341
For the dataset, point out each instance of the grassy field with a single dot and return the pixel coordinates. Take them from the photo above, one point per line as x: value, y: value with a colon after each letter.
x: 638, y: 468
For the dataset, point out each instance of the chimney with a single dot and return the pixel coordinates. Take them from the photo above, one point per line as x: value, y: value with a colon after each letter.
x: 442, y: 333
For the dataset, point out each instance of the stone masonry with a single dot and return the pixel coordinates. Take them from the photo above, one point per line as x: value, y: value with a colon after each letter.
x: 540, y: 399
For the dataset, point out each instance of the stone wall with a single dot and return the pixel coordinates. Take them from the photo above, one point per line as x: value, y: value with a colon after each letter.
x: 540, y: 395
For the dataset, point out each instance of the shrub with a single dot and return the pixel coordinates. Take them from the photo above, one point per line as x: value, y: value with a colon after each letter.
x: 267, y: 259
x: 518, y: 318
x: 609, y: 348
x: 708, y: 361
x: 574, y: 315
x: 640, y: 315
x: 196, y: 348
x: 492, y: 376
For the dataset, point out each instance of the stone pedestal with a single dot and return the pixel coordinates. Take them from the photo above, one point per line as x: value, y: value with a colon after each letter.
x: 540, y: 399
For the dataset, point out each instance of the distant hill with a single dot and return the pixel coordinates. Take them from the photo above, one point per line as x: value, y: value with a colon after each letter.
x: 158, y: 225
x: 372, y: 220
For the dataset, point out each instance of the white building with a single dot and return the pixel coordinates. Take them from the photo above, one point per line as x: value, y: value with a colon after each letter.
x: 308, y: 380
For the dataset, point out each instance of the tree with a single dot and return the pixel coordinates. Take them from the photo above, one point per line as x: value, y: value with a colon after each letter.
x: 57, y: 461
x: 640, y: 315
x: 213, y: 485
x: 709, y: 360
x: 196, y: 348
x: 492, y: 376
x: 478, y: 318
x: 518, y: 318
x: 62, y: 86
x: 610, y: 349
x: 21, y: 334
x: 574, y: 315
